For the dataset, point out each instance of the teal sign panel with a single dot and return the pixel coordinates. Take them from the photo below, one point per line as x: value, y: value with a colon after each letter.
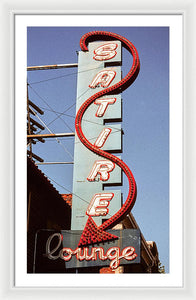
x: 101, y: 127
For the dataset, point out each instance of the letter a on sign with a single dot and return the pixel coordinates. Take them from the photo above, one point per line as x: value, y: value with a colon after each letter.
x: 103, y: 78
x: 102, y: 167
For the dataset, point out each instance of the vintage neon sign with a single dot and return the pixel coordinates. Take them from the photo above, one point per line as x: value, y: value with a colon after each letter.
x: 113, y: 254
x: 104, y: 167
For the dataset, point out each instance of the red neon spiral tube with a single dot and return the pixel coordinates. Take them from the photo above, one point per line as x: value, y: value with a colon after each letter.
x: 114, y: 89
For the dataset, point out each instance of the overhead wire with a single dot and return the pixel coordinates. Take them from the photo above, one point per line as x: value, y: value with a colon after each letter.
x: 62, y: 76
x: 57, y: 113
x: 59, y: 117
x: 71, y: 192
x: 65, y: 149
x: 58, y: 78
x: 49, y: 106
x: 63, y: 113
x: 85, y: 120
x: 68, y: 153
x: 59, y: 142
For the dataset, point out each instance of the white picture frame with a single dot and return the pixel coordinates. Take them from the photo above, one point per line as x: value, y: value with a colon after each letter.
x: 8, y: 10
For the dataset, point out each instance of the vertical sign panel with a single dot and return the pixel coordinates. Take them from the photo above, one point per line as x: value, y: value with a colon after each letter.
x: 98, y: 68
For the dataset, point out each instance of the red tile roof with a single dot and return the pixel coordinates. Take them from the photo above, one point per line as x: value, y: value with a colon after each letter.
x: 67, y: 198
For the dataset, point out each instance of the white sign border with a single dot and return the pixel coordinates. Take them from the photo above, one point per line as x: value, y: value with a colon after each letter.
x: 174, y: 278
x: 185, y: 8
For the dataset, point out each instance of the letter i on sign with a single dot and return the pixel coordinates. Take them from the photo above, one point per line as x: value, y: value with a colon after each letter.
x: 100, y: 141
x: 103, y: 104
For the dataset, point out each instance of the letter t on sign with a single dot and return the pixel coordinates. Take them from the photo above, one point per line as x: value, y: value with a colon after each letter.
x: 103, y: 104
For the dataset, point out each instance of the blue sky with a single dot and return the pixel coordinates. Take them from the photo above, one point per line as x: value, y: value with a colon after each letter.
x: 145, y: 117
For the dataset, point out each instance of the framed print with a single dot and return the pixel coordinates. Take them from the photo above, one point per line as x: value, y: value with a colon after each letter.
x: 105, y: 187
x: 93, y: 159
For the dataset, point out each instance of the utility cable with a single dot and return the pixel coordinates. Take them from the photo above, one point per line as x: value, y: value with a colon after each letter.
x: 50, y: 107
x: 65, y: 75
x: 63, y: 113
x: 71, y: 192
x: 58, y: 141
x: 85, y: 120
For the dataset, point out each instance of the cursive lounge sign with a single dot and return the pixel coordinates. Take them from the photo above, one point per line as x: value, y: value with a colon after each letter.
x: 59, y: 250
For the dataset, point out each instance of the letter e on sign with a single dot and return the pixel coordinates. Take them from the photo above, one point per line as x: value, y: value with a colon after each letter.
x: 98, y: 205
x: 129, y: 253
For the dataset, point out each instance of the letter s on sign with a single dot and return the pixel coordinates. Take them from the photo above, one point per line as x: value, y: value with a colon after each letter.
x: 105, y: 52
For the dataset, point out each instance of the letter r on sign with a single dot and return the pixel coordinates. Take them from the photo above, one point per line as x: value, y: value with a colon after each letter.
x: 102, y: 167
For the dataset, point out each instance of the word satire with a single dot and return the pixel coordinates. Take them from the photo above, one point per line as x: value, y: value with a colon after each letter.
x: 113, y: 254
